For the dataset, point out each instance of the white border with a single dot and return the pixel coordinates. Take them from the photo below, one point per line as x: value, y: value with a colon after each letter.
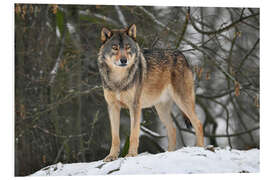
x: 201, y: 3
x: 7, y: 80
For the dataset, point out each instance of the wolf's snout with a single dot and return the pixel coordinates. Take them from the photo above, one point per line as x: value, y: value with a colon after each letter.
x: 123, y: 61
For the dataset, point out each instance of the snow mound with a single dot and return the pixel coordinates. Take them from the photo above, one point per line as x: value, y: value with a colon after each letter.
x: 187, y: 160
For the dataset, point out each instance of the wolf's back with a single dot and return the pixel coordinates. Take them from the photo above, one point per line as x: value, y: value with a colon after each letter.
x: 163, y: 56
x: 167, y: 57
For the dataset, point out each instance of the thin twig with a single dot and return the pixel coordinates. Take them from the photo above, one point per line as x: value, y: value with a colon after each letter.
x: 223, y: 135
x: 46, y: 131
x: 222, y: 94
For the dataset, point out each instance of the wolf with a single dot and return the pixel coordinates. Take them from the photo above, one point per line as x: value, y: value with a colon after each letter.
x: 135, y: 79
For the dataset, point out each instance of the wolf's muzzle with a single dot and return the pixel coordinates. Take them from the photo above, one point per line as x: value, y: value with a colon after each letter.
x: 122, y: 62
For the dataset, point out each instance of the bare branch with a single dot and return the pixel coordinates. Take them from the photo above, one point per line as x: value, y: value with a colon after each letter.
x: 248, y: 54
x: 223, y: 135
x: 222, y: 29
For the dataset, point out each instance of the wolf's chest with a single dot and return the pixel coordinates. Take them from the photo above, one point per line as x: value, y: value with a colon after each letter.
x: 125, y: 98
x: 147, y: 98
x: 118, y: 96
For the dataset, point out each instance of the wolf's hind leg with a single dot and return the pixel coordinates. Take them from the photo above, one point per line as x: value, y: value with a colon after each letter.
x: 164, y: 110
x: 183, y: 95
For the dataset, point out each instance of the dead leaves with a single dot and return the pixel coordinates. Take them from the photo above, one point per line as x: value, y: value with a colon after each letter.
x: 22, y: 112
x: 54, y: 8
x: 21, y: 10
x: 237, y: 88
x: 199, y: 72
x: 256, y: 101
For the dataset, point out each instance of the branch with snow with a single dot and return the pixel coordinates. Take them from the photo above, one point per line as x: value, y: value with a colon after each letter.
x: 110, y: 20
x: 100, y: 16
x: 150, y: 132
x: 153, y: 18
x: 121, y: 16
x: 58, y: 60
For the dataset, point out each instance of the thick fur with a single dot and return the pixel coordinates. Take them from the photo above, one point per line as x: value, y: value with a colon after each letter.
x: 150, y: 78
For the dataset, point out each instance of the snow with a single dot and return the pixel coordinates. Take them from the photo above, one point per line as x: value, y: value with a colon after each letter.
x: 71, y: 28
x: 57, y: 32
x: 188, y: 160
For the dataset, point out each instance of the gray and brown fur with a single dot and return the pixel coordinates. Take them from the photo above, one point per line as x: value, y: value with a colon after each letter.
x: 150, y: 78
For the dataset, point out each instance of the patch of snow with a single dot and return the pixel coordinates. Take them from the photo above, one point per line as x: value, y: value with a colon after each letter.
x: 49, y: 25
x: 188, y: 160
x: 71, y: 28
x: 57, y: 32
x: 200, y: 90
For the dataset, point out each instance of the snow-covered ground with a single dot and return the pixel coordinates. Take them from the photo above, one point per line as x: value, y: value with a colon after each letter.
x: 186, y: 160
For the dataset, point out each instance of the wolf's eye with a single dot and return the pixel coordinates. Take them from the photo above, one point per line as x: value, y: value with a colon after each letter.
x: 115, y: 47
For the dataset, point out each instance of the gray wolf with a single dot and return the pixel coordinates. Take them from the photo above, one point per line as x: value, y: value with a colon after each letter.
x: 137, y: 79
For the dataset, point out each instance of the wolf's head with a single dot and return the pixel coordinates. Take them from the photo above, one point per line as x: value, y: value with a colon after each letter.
x: 119, y: 47
x: 120, y: 59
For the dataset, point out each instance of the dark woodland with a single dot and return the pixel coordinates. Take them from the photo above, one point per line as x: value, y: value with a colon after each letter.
x: 60, y: 111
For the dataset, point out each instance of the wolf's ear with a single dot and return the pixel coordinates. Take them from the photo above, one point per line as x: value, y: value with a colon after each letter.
x: 105, y: 34
x: 132, y: 31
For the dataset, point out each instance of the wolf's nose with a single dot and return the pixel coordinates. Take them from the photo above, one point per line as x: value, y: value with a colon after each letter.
x: 123, y: 61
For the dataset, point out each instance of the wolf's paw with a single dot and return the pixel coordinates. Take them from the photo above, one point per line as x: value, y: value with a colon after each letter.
x: 131, y: 154
x: 110, y: 157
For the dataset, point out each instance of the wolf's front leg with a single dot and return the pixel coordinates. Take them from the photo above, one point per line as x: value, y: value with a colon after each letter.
x: 114, y: 112
x: 135, y: 115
